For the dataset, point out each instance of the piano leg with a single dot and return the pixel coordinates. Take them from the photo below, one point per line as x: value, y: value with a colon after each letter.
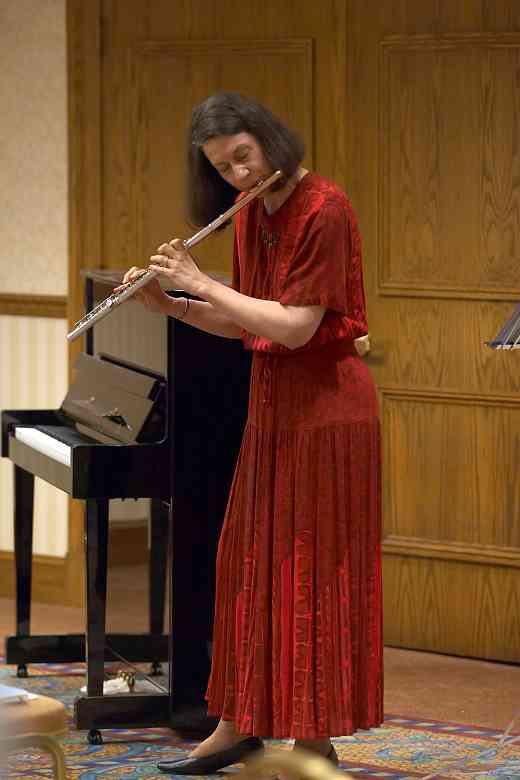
x: 23, y: 547
x: 96, y: 551
x: 95, y: 711
x: 159, y: 531
x: 96, y: 547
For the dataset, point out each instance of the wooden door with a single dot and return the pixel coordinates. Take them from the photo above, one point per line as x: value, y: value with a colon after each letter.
x: 433, y: 163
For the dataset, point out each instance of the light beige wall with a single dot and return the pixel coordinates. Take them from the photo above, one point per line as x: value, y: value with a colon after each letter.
x: 33, y: 232
x: 33, y: 144
x: 33, y: 375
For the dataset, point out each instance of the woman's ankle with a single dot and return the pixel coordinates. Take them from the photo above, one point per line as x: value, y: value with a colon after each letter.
x: 323, y: 746
x: 227, y: 728
x: 222, y: 738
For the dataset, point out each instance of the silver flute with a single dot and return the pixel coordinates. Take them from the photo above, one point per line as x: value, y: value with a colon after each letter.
x: 116, y: 298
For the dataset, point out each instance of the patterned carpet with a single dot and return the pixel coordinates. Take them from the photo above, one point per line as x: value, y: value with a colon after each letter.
x: 401, y: 748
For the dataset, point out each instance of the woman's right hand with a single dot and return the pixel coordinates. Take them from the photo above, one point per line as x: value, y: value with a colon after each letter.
x: 150, y: 295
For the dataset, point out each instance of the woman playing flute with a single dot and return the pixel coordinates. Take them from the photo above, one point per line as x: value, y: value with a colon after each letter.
x: 297, y: 646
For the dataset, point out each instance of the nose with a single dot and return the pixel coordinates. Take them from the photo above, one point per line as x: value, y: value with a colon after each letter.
x: 242, y: 172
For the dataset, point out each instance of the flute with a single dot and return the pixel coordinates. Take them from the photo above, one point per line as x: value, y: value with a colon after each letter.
x: 116, y: 298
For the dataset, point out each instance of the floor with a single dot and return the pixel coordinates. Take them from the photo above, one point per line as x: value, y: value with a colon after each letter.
x: 422, y: 685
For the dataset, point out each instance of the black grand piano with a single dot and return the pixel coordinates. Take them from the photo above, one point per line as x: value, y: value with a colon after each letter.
x: 156, y: 410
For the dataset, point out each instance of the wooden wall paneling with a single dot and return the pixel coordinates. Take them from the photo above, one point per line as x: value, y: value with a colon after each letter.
x: 500, y: 184
x: 413, y: 17
x: 451, y: 468
x: 85, y: 155
x: 262, y: 51
x: 84, y: 70
x: 501, y: 16
x: 324, y: 22
x: 435, y: 184
x: 123, y: 25
x: 429, y: 343
x: 452, y: 607
x: 425, y: 244
x: 168, y: 80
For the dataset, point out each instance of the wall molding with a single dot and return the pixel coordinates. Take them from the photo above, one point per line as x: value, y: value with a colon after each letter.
x: 12, y: 304
x: 447, y: 41
x: 48, y: 580
x: 452, y: 551
x: 427, y: 395
x: 394, y: 289
x: 209, y: 48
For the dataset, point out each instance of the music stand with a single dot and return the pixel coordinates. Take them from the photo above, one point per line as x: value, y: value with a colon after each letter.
x: 509, y: 335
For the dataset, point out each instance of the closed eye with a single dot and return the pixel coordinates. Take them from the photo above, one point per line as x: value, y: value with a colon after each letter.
x: 240, y: 155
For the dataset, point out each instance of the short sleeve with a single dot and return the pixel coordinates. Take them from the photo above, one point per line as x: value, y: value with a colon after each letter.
x: 319, y: 268
x: 235, y: 279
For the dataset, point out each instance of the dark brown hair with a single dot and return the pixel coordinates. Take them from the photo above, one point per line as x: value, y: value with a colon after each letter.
x: 229, y: 113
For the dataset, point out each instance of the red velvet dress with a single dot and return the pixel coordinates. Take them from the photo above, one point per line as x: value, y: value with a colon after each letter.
x: 297, y: 646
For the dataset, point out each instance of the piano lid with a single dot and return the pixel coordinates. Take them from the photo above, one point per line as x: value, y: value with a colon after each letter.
x: 112, y: 399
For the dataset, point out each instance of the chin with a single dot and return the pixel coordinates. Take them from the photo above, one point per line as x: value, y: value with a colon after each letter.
x: 279, y: 184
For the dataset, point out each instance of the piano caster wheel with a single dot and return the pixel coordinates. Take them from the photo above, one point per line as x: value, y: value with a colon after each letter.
x: 22, y: 671
x: 94, y: 737
x: 156, y: 668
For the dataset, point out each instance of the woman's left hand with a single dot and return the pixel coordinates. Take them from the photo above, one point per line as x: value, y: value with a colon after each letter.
x: 175, y: 262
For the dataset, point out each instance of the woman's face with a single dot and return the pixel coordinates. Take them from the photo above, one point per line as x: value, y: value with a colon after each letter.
x: 239, y: 159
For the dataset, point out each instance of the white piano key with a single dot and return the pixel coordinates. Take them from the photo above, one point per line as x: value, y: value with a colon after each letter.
x: 42, y: 442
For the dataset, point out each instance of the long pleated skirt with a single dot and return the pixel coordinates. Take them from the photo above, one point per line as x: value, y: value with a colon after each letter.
x: 297, y: 648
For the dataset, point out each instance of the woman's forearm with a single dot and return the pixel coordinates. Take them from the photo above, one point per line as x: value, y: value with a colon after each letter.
x: 203, y: 315
x: 291, y: 326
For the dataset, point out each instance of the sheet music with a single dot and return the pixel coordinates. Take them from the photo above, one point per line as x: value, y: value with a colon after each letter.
x: 508, y: 336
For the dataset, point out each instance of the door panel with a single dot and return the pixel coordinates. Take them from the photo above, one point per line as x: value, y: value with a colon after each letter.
x: 432, y: 169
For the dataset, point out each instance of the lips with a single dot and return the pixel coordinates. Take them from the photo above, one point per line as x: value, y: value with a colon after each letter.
x: 259, y: 178
x: 257, y: 181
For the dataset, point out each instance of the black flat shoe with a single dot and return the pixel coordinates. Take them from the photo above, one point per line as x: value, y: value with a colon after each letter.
x: 207, y: 765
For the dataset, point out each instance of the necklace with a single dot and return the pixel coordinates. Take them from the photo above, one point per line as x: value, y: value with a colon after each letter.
x: 273, y: 204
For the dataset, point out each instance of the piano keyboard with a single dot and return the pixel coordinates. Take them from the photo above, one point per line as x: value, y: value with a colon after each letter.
x: 45, y: 444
